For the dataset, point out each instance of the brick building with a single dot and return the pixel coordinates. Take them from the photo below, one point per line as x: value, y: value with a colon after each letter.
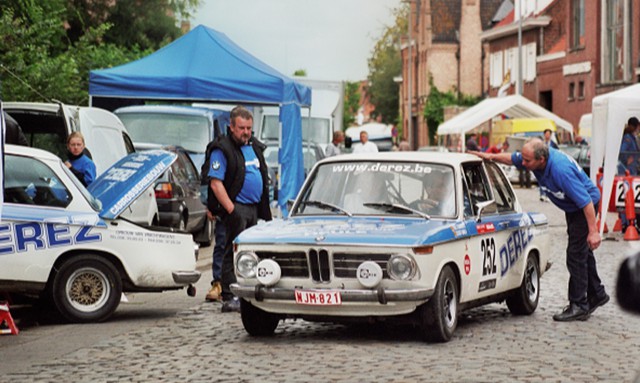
x: 573, y: 50
x: 444, y: 43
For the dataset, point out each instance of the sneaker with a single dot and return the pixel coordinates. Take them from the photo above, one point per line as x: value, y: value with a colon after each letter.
x: 232, y: 305
x: 597, y: 302
x: 214, y: 293
x: 571, y: 313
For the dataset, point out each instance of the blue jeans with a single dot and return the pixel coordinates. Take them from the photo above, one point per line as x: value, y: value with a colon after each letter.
x: 218, y: 250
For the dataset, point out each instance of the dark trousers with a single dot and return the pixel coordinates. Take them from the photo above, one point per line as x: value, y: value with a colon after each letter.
x: 243, y: 217
x: 584, y: 282
x: 218, y: 250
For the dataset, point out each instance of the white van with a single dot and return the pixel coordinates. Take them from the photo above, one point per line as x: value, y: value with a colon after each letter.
x: 47, y: 126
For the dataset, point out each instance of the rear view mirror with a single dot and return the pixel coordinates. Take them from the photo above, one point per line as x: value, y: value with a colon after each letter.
x: 628, y: 286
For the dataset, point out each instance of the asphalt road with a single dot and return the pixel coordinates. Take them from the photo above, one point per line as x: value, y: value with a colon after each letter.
x: 171, y: 337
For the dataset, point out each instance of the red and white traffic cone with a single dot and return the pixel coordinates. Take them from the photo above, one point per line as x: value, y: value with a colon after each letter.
x: 7, y: 321
x: 631, y: 234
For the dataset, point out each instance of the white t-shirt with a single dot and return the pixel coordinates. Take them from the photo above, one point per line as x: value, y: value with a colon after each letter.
x: 368, y: 147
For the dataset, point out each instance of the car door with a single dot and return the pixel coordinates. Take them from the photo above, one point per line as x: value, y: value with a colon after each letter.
x: 491, y: 234
x: 189, y: 179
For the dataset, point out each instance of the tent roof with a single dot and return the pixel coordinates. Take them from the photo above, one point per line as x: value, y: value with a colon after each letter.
x: 204, y: 64
x: 514, y: 106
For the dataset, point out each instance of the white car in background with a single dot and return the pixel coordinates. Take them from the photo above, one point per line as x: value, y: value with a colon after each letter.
x: 69, y: 244
x: 403, y: 235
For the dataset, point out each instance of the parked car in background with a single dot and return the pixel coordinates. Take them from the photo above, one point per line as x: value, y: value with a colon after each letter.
x: 580, y: 153
x: 178, y: 196
x: 47, y: 126
x: 412, y: 236
x: 68, y: 245
x: 187, y: 126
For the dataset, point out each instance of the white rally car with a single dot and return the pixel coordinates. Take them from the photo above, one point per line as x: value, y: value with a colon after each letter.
x: 68, y: 244
x: 406, y: 235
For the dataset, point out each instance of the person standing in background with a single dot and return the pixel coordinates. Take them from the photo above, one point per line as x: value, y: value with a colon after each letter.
x: 365, y: 145
x: 79, y: 162
x: 333, y: 149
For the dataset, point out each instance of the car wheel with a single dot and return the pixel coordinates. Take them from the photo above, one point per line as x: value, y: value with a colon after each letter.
x: 86, y: 288
x: 205, y: 237
x: 439, y: 316
x: 524, y: 300
x: 257, y: 322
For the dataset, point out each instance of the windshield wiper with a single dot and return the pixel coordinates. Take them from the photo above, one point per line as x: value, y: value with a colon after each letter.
x: 326, y: 206
x: 389, y: 207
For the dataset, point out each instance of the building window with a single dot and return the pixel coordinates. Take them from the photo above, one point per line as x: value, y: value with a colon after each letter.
x: 577, y: 23
x: 616, y: 50
x: 572, y: 89
x: 581, y: 90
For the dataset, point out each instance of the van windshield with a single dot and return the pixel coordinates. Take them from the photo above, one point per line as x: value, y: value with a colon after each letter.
x: 190, y: 132
x: 318, y: 132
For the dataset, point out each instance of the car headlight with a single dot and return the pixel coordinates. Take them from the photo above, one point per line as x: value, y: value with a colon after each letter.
x: 401, y: 267
x: 246, y: 263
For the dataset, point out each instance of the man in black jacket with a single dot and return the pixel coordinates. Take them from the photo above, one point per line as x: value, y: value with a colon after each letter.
x: 239, y: 182
x: 13, y: 133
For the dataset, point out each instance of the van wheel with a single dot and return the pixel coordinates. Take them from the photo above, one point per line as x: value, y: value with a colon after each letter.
x: 86, y: 288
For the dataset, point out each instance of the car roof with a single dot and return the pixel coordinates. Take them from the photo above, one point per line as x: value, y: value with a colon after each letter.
x: 448, y: 158
x: 29, y: 151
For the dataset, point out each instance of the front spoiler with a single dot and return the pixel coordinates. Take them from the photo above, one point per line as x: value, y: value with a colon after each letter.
x: 381, y: 295
x: 185, y: 277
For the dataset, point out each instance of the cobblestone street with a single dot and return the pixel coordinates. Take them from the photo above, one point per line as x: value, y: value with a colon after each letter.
x: 490, y: 345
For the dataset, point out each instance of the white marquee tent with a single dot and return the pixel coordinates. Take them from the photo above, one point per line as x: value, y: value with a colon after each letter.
x: 610, y: 111
x: 514, y: 106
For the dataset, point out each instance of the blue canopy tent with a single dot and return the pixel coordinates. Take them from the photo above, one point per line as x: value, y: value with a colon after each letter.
x: 205, y: 65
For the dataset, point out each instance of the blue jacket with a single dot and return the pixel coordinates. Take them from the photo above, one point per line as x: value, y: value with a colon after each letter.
x: 83, y: 168
x: 563, y: 181
x: 629, y: 149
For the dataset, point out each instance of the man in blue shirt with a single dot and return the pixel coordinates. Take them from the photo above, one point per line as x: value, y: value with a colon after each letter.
x: 239, y: 182
x: 569, y: 188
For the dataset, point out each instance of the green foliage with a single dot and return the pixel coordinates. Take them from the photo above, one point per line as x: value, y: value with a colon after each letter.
x: 434, y: 108
x: 351, y: 103
x: 49, y: 47
x: 385, y: 64
x: 300, y: 73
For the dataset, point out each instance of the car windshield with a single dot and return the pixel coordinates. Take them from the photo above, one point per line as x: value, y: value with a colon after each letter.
x: 380, y: 188
x: 189, y: 131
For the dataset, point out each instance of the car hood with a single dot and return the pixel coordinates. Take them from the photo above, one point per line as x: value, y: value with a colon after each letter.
x: 354, y: 230
x: 127, y: 179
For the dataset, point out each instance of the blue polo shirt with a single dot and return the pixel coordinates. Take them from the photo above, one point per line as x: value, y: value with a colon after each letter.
x: 252, y: 187
x: 563, y: 181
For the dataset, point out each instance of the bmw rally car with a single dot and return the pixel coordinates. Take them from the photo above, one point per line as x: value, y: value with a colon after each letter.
x: 405, y: 235
x: 68, y: 244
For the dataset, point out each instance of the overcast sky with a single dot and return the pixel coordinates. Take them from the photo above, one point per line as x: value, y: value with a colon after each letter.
x: 330, y: 39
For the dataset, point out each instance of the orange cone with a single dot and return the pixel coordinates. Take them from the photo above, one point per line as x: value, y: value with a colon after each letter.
x: 618, y: 225
x: 7, y: 321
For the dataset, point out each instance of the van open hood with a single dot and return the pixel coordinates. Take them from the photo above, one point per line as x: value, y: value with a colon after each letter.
x: 127, y: 179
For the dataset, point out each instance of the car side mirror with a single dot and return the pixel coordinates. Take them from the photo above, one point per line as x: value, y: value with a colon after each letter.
x: 628, y: 285
x: 482, y: 206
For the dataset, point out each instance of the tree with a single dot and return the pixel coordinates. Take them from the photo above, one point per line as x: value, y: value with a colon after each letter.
x: 434, y: 108
x: 351, y: 103
x: 300, y: 73
x: 385, y: 64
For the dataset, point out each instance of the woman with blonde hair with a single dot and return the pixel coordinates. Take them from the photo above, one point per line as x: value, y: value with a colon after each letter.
x: 79, y: 163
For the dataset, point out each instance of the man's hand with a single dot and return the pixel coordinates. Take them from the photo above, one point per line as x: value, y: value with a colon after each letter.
x: 594, y: 240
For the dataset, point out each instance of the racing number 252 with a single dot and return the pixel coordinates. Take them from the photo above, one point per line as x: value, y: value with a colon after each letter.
x: 488, y: 248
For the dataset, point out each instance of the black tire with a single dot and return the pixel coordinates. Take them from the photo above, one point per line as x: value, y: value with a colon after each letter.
x: 439, y: 316
x: 524, y: 300
x: 87, y: 288
x: 257, y: 322
x: 205, y: 236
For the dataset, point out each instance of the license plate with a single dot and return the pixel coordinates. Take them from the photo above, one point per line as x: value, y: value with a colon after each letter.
x: 318, y: 297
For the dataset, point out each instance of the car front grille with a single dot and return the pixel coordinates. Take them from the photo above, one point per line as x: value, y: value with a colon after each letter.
x: 317, y: 263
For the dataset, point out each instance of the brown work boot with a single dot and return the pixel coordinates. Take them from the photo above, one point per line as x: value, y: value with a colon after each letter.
x: 214, y: 293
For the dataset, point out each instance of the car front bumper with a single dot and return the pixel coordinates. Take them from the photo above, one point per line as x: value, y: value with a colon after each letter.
x: 380, y: 295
